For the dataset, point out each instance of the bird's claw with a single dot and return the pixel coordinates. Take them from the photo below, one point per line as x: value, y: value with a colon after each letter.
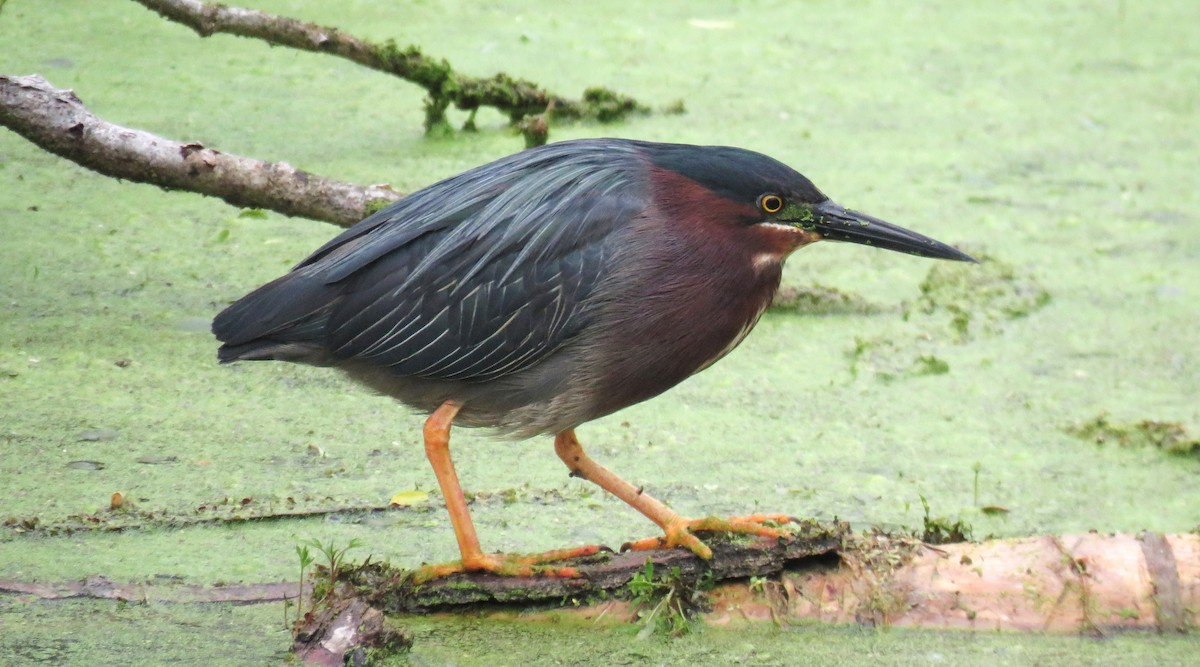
x: 510, y: 565
x: 682, y: 533
x: 675, y: 537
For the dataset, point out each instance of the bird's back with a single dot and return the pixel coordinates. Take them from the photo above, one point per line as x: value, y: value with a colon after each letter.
x: 476, y: 277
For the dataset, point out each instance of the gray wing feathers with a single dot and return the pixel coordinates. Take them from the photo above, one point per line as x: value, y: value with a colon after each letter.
x: 473, y: 278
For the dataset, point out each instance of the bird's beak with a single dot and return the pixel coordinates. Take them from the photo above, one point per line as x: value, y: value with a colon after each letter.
x: 831, y: 221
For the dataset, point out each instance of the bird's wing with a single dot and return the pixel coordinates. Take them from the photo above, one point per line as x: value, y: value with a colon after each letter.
x: 473, y: 278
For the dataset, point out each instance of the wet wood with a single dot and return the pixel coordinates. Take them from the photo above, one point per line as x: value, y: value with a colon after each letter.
x: 1089, y: 583
x: 604, y: 573
x: 343, y: 634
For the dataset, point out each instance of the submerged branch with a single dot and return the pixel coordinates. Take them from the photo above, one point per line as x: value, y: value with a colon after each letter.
x: 223, y: 512
x: 103, y: 588
x: 515, y: 97
x: 57, y: 121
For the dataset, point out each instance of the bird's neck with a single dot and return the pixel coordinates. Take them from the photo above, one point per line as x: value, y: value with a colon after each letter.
x: 692, y: 303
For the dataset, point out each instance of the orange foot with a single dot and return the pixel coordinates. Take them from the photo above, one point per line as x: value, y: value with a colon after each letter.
x: 510, y: 565
x: 681, y: 534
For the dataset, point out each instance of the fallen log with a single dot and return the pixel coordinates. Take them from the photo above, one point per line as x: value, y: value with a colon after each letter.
x: 1087, y: 583
x: 606, y: 573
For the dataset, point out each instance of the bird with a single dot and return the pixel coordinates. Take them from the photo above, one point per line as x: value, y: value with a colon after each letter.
x: 550, y: 288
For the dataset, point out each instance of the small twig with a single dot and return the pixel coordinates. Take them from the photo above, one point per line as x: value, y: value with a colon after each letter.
x: 56, y: 120
x: 515, y: 97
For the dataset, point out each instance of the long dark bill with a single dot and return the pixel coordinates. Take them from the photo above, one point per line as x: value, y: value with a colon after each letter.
x: 839, y: 224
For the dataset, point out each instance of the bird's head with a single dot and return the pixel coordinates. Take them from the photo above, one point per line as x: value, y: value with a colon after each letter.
x: 782, y: 207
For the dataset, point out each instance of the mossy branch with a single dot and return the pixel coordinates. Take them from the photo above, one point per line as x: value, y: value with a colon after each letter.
x: 603, y: 574
x: 514, y: 97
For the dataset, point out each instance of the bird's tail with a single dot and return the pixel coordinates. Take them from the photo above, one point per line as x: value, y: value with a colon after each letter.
x: 284, y: 320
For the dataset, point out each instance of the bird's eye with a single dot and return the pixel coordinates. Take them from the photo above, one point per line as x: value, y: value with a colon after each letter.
x: 770, y: 203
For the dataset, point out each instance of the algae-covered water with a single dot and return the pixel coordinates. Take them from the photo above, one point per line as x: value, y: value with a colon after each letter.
x: 1059, y: 140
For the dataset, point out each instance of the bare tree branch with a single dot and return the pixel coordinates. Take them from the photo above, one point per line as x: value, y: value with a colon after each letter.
x: 515, y: 97
x: 56, y: 120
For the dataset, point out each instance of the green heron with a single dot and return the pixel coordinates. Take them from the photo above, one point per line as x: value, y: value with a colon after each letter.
x: 550, y: 288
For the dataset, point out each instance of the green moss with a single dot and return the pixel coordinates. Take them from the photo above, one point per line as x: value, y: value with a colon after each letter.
x: 942, y: 530
x: 889, y: 360
x: 929, y: 365
x: 818, y: 299
x: 1127, y: 613
x: 1170, y: 437
x: 436, y: 123
x: 978, y: 298
x: 668, y: 602
x: 376, y: 205
x: 430, y: 73
x: 607, y: 105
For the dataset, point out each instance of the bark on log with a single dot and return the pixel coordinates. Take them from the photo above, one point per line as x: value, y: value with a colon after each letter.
x: 56, y: 120
x: 600, y: 574
x: 1088, y: 583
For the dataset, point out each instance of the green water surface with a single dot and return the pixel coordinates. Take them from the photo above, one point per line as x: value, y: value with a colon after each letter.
x: 1057, y: 139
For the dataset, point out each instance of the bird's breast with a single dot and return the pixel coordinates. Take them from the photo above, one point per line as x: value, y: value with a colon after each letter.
x: 735, y: 340
x: 673, y: 308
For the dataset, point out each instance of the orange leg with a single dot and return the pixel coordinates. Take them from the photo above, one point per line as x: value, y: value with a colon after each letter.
x: 678, y: 530
x: 437, y: 448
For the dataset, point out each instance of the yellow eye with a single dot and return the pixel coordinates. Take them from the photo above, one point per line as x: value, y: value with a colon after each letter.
x: 770, y: 203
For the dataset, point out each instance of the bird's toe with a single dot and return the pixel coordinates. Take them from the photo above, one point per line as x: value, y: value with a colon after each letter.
x: 547, y: 564
x: 682, y: 534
